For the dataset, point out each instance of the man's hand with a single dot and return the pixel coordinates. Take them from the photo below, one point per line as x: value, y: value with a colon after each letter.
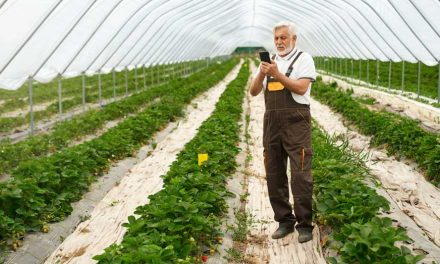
x: 270, y: 69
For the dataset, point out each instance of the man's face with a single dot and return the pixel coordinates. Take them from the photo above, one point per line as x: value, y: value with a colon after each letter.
x: 283, y: 41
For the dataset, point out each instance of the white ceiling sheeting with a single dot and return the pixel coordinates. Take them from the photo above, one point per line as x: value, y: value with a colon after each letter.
x: 42, y: 39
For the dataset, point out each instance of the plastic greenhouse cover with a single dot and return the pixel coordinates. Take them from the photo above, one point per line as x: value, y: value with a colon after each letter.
x: 47, y: 38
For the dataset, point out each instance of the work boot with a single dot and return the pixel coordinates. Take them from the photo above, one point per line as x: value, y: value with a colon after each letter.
x: 283, y: 230
x: 304, y: 234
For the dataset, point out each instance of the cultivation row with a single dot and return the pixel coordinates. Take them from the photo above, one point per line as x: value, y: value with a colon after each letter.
x: 400, y: 135
x: 65, y: 132
x: 345, y: 204
x: 181, y: 222
x: 369, y: 70
x: 42, y: 189
x: 71, y: 90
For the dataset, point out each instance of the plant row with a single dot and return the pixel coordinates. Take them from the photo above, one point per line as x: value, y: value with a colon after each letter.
x: 182, y: 220
x: 42, y: 91
x: 72, y: 92
x: 366, y: 70
x: 42, y: 190
x: 63, y: 133
x: 399, y: 135
x: 344, y: 203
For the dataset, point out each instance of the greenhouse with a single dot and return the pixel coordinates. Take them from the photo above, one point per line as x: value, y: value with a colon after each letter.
x: 251, y: 131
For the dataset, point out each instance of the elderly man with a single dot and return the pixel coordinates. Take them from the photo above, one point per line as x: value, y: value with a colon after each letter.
x: 286, y: 82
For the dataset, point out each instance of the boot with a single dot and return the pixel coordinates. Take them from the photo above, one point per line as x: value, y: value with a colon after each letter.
x: 283, y: 230
x: 304, y: 235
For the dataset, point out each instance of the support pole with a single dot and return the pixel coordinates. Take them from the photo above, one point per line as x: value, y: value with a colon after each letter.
x: 145, y: 80
x: 346, y: 68
x: 340, y: 67
x: 438, y: 89
x: 164, y: 74
x: 60, y: 97
x: 360, y: 70
x: 152, y: 74
x: 352, y: 70
x: 377, y: 73
x: 389, y: 76
x: 99, y: 88
x: 126, y: 82
x: 403, y: 75
x: 114, y: 84
x: 327, y: 63
x: 158, y: 74
x: 368, y: 73
x: 135, y: 79
x: 418, y: 81
x: 31, y: 106
x: 84, y: 91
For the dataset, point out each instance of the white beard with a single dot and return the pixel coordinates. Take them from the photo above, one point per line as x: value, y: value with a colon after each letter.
x: 286, y: 50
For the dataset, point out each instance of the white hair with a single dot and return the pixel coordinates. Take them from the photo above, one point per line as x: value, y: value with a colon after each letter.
x: 290, y: 26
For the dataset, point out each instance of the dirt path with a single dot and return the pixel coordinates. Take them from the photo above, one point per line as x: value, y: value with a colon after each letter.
x: 415, y: 202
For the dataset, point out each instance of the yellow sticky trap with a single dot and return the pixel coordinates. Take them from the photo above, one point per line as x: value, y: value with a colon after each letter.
x: 202, y: 158
x: 275, y: 86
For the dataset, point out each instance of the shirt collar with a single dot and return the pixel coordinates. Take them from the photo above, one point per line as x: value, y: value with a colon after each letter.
x: 289, y: 56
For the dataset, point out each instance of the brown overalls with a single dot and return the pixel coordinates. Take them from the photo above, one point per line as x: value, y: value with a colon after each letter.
x: 287, y: 133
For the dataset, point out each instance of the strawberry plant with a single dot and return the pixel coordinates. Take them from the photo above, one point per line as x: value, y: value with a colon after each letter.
x: 185, y: 216
x: 401, y: 136
x: 63, y: 133
x: 350, y: 208
x: 41, y: 190
x: 428, y: 78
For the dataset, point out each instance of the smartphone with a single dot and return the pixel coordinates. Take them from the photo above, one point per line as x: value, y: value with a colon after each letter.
x: 264, y: 56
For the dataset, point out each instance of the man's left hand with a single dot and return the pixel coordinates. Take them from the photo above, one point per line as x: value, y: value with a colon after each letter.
x: 270, y: 68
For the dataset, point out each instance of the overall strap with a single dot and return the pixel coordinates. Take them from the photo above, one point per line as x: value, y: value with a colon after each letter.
x: 289, y: 70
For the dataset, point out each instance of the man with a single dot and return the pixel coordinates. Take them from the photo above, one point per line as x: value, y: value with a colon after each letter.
x: 286, y: 82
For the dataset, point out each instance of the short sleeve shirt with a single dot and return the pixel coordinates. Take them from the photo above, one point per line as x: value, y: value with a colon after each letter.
x: 303, y: 68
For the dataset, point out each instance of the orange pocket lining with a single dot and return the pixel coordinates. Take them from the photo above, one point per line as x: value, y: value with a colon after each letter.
x: 302, y: 159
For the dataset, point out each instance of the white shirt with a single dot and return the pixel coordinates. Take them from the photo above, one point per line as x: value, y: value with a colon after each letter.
x: 304, y: 67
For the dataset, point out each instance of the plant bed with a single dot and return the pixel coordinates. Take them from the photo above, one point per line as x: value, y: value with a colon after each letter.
x: 43, y: 189
x: 400, y: 136
x: 181, y: 222
x: 348, y: 209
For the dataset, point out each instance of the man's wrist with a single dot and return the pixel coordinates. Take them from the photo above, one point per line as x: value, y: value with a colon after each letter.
x: 278, y: 75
